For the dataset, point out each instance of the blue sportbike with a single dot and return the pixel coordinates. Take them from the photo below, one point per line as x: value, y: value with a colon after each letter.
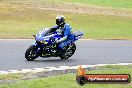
x: 45, y: 45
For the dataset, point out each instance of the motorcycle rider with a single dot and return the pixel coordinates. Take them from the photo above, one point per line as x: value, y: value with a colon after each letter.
x: 67, y: 36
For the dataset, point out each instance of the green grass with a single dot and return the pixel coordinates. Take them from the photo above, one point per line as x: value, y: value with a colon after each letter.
x: 117, y: 4
x: 68, y: 80
x: 18, y: 21
x: 10, y: 76
x: 126, y: 4
x: 105, y: 3
x: 93, y: 26
x: 100, y: 26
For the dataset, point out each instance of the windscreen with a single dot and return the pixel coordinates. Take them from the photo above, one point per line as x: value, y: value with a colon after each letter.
x: 44, y: 31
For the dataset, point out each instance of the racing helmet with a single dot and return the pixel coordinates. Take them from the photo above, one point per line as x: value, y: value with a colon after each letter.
x: 60, y: 20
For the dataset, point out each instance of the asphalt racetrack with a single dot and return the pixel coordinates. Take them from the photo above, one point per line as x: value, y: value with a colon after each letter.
x: 88, y: 52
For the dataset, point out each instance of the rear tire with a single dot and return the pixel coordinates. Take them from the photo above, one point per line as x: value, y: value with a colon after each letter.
x: 30, y: 55
x: 68, y: 52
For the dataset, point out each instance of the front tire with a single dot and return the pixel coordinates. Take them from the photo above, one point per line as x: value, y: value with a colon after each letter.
x: 30, y: 54
x: 68, y: 52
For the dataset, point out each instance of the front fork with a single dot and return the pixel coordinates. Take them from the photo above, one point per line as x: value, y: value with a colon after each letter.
x: 37, y: 48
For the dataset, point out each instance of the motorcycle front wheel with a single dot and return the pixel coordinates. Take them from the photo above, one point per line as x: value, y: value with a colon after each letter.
x: 30, y: 53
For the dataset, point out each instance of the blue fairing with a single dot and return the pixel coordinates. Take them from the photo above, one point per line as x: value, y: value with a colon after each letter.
x: 44, y: 37
x: 78, y: 35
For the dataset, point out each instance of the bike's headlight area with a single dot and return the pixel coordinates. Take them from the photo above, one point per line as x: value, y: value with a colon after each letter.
x: 43, y: 42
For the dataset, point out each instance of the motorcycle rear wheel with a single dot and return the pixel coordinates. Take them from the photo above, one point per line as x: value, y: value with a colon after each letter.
x: 68, y: 52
